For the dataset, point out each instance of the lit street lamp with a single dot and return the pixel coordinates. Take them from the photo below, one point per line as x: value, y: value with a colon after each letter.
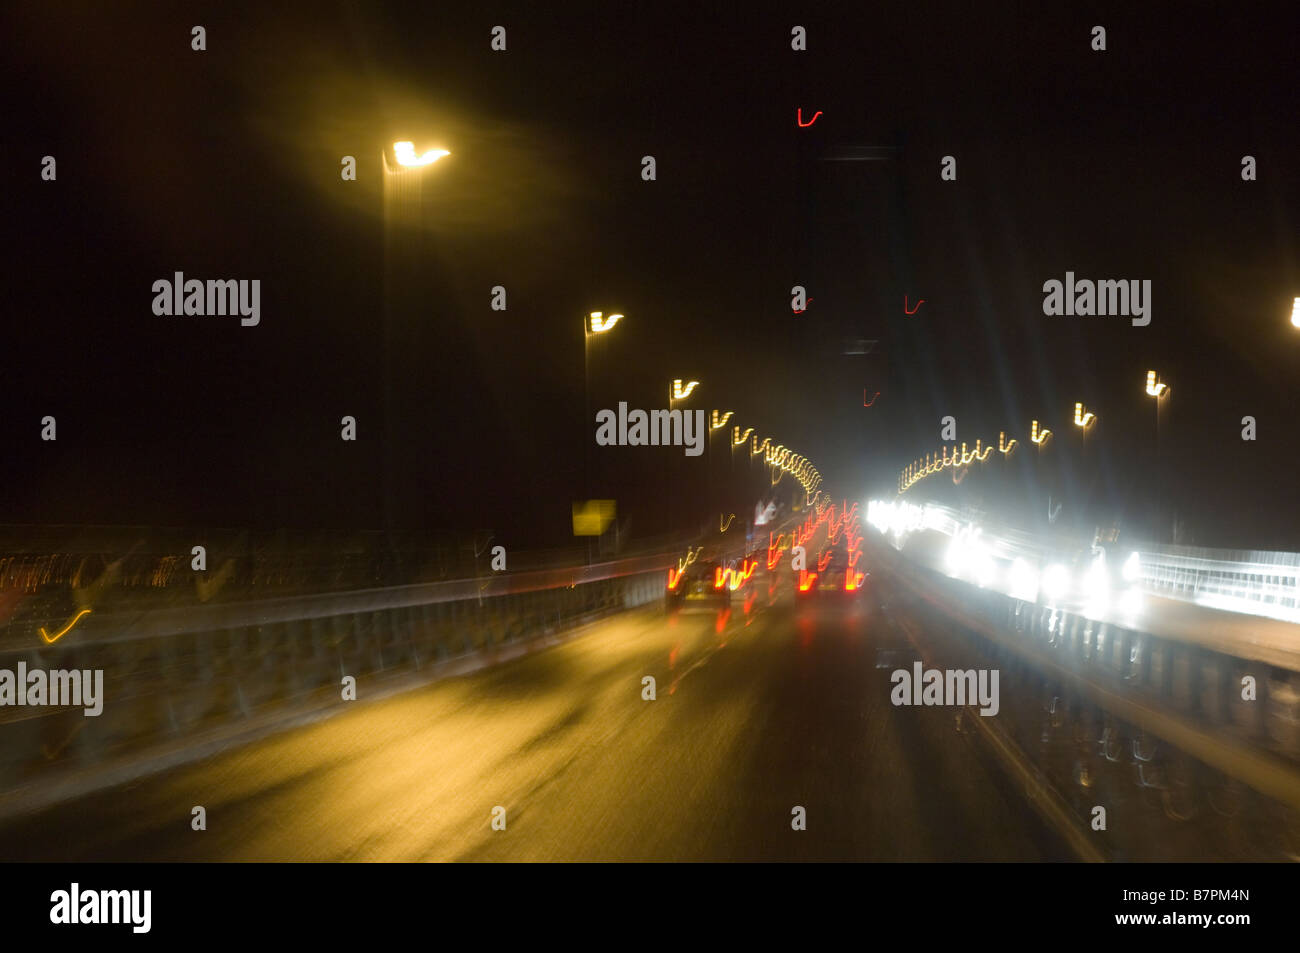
x: 404, y: 153
x: 1083, y: 419
x: 404, y: 292
x: 600, y: 324
x: 1155, y: 388
x: 678, y: 392
x: 595, y: 323
x: 1160, y: 391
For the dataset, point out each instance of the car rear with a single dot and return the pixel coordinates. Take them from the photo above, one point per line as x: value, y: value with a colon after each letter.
x: 702, y: 585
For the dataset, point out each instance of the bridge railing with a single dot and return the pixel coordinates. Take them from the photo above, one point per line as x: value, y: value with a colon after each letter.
x: 1198, y: 729
x: 174, y: 673
x: 1266, y: 583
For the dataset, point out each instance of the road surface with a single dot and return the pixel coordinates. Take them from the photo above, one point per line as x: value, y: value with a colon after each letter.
x: 755, y: 715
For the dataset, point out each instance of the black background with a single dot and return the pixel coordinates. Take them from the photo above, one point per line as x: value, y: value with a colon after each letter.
x: 225, y: 164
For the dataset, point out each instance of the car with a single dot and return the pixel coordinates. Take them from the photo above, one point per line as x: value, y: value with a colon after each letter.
x: 703, y: 584
x: 830, y: 572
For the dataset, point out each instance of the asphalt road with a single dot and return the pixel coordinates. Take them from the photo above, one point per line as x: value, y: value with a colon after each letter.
x: 755, y: 715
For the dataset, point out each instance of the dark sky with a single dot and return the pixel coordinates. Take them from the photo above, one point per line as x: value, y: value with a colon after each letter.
x: 225, y: 164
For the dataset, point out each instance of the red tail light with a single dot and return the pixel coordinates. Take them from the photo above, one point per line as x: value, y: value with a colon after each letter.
x: 806, y: 579
x: 717, y: 578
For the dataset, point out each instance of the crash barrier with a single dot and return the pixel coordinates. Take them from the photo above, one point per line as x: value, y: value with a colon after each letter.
x: 1267, y: 583
x: 169, y: 671
x: 1197, y: 731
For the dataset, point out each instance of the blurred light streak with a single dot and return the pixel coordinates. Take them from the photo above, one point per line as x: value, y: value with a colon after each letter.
x: 1154, y: 388
x: 51, y: 639
x: 600, y: 324
x: 681, y: 393
x: 404, y: 153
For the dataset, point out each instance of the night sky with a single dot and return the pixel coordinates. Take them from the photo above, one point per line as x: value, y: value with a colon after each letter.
x: 1123, y: 164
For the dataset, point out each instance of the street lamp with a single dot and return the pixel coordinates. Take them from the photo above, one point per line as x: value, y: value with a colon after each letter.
x: 1160, y: 391
x: 600, y: 324
x: 1155, y: 388
x: 404, y: 153
x: 1083, y: 419
x: 678, y: 392
x: 405, y: 294
x: 595, y: 323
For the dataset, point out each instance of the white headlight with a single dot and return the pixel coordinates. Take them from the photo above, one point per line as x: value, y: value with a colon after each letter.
x: 1056, y: 581
x: 1095, y: 583
x: 1024, y: 581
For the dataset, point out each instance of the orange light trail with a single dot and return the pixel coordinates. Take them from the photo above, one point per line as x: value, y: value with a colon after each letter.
x: 51, y: 639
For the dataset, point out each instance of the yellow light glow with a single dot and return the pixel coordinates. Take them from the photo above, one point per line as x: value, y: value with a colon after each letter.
x: 737, y: 438
x: 51, y: 639
x: 404, y: 153
x: 1037, y: 436
x: 1154, y: 387
x: 681, y: 393
x: 959, y: 461
x: 600, y: 324
x: 1295, y: 312
x: 719, y: 422
x: 1083, y: 418
x: 593, y: 517
x: 691, y: 556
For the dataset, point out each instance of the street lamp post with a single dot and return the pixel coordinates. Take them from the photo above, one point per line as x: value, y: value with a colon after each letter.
x: 678, y: 392
x: 1159, y: 391
x: 1083, y: 419
x: 594, y: 324
x: 717, y: 422
x: 402, y: 210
